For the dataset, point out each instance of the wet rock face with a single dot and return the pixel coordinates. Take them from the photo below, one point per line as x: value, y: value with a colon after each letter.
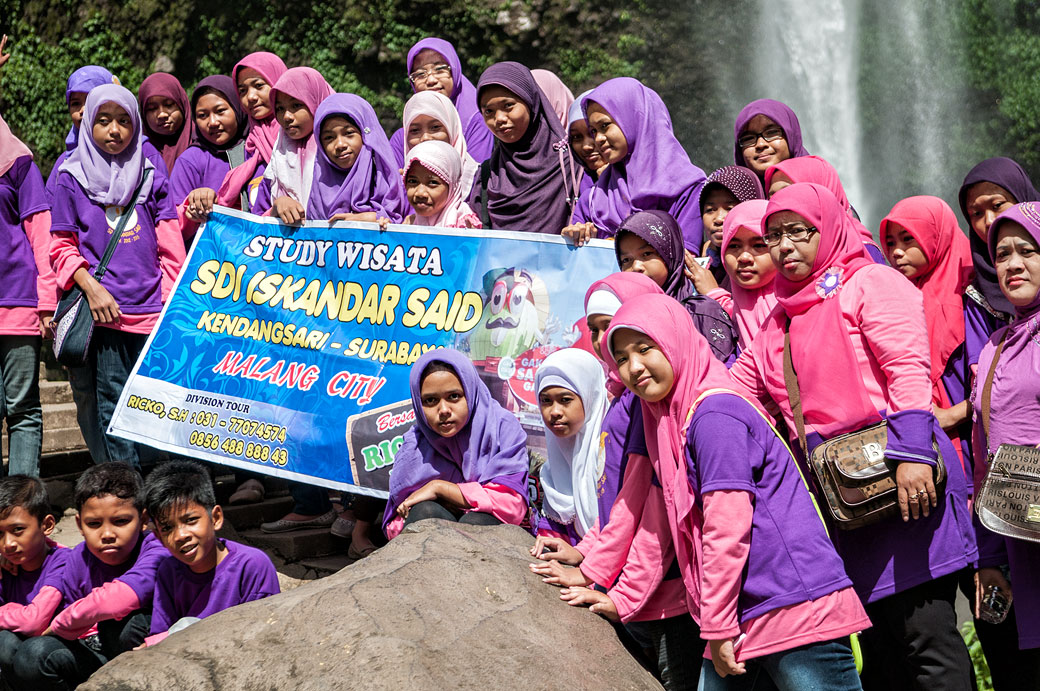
x: 442, y: 606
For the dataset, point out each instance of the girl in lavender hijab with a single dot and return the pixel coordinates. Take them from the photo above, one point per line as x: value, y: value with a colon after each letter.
x: 106, y: 176
x: 766, y: 132
x: 525, y: 186
x: 465, y: 459
x: 355, y: 176
x: 647, y: 166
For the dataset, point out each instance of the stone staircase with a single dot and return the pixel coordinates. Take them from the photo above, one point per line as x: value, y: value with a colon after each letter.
x: 63, y: 448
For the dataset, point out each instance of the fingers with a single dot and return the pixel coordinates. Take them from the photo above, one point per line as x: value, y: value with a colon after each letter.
x: 904, y: 503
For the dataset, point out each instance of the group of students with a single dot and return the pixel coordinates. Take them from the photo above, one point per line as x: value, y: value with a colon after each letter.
x: 676, y: 495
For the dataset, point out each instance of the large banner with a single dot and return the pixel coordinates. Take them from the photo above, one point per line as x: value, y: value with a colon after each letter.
x: 286, y: 350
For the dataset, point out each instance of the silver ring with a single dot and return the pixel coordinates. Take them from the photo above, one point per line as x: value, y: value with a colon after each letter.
x: 914, y: 496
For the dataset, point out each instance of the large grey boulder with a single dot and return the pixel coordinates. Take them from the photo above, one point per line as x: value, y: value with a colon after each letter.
x: 443, y: 606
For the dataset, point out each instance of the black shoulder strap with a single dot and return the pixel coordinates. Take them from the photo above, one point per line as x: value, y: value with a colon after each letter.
x: 485, y: 176
x: 102, y: 266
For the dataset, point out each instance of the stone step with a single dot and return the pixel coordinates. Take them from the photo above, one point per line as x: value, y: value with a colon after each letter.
x: 297, y: 545
x: 59, y: 416
x: 55, y: 392
x: 249, y: 516
x: 326, y: 566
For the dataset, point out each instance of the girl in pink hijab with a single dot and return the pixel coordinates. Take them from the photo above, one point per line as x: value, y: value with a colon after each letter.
x: 745, y: 255
x: 290, y: 170
x: 433, y: 182
x: 556, y: 91
x: 432, y: 115
x: 167, y: 122
x: 766, y: 585
x: 856, y: 343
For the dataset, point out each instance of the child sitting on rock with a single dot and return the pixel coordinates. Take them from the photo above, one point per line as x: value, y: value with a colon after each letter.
x: 465, y: 459
x: 107, y: 583
x: 206, y: 574
x: 31, y: 580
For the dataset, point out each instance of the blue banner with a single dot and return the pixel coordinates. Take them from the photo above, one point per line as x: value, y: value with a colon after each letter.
x: 286, y: 350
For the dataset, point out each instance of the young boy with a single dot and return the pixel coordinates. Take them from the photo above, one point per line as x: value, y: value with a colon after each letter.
x: 206, y: 574
x: 31, y: 594
x: 107, y: 583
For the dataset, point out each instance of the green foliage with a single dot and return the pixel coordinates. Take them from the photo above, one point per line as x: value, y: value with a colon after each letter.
x: 978, y: 659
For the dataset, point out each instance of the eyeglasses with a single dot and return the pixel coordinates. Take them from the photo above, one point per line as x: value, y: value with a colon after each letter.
x: 751, y: 138
x: 803, y: 234
x: 438, y: 71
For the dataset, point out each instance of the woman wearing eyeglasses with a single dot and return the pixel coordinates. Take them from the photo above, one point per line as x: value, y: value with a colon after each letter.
x: 433, y: 65
x: 859, y: 348
x: 766, y: 133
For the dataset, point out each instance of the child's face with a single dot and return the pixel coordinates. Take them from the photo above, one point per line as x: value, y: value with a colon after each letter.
x: 642, y: 365
x: 77, y: 99
x: 583, y: 144
x: 111, y: 527
x: 424, y: 128
x: 444, y: 403
x: 215, y: 119
x: 636, y: 254
x: 189, y: 531
x: 112, y: 129
x: 610, y: 140
x: 903, y: 252
x: 294, y: 117
x: 598, y: 325
x: 760, y: 153
x: 715, y: 206
x: 163, y: 115
x: 562, y: 411
x: 23, y: 538
x: 431, y: 72
x: 427, y: 193
x: 341, y: 140
x: 255, y: 93
x: 984, y: 200
x: 505, y: 114
x: 747, y: 260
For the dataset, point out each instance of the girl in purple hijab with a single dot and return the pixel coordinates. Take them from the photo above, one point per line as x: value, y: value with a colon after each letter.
x: 427, y: 60
x: 723, y: 190
x: 765, y: 133
x: 465, y: 459
x: 651, y: 243
x: 78, y: 86
x: 355, y: 175
x: 523, y: 185
x: 647, y: 167
x: 1012, y: 359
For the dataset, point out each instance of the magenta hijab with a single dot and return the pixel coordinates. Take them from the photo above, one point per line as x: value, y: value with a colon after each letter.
x: 752, y: 306
x: 106, y: 179
x: 829, y: 376
x: 262, y: 133
x: 779, y: 113
x: 657, y: 170
x: 170, y: 146
x: 1015, y: 396
x: 291, y: 166
x: 490, y: 447
x: 556, y: 91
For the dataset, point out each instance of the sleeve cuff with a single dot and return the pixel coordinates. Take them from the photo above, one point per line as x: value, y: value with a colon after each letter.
x: 910, y: 435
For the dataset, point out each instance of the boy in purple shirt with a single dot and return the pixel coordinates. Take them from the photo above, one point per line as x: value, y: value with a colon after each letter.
x: 206, y: 574
x: 30, y: 595
x: 107, y: 583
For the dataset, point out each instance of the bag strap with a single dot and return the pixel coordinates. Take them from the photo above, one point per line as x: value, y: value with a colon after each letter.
x: 124, y: 218
x: 485, y: 177
x: 988, y: 387
x: 793, y: 395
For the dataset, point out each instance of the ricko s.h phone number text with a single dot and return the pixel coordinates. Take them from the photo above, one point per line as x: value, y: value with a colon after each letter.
x: 235, y: 436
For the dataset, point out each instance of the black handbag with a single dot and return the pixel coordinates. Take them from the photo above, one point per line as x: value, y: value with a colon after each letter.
x: 73, y: 323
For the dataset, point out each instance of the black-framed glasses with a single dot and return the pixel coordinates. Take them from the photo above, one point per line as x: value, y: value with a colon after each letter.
x: 751, y: 138
x: 802, y: 234
x: 437, y: 71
